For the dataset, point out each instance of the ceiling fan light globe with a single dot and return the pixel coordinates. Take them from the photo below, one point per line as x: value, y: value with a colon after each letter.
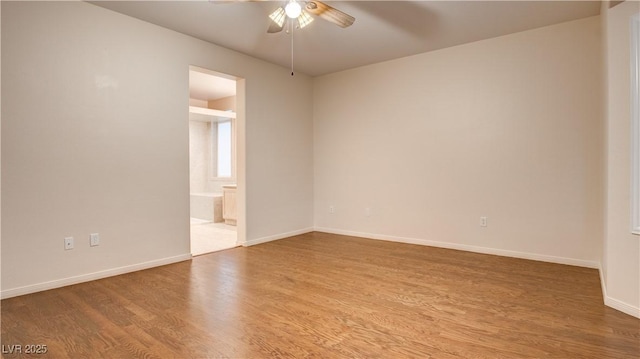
x: 293, y: 10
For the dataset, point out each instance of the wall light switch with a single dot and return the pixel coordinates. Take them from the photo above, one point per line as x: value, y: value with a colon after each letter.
x: 94, y: 239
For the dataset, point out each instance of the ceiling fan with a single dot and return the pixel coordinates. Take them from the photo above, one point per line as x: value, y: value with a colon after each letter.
x: 300, y: 10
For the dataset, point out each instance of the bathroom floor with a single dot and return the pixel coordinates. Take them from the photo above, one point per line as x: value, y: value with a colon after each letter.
x: 209, y: 237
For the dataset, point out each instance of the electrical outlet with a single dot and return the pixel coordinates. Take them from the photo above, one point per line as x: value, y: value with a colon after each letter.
x: 483, y: 221
x: 332, y: 209
x: 68, y: 243
x: 367, y: 212
x: 94, y: 239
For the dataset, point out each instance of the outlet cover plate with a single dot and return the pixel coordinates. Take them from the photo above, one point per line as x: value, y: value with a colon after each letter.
x: 68, y: 243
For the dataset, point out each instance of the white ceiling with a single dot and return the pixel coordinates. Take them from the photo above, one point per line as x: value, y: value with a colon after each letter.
x: 383, y: 30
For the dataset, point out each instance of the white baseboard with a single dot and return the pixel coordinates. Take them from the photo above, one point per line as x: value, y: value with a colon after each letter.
x: 275, y: 237
x: 614, y: 303
x: 58, y: 283
x: 468, y: 248
x: 622, y: 306
x: 14, y: 292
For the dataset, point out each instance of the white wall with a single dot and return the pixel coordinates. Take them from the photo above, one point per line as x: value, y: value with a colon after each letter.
x: 508, y: 128
x: 105, y: 147
x: 621, y: 260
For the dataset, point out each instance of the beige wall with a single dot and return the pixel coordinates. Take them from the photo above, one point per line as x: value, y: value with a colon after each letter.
x: 106, y: 150
x: 621, y: 260
x: 508, y: 128
x: 198, y: 103
x: 223, y: 104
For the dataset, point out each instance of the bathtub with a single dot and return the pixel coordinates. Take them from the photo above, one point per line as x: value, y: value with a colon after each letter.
x: 206, y: 206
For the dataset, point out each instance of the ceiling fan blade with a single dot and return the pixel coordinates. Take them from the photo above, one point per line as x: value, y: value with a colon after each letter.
x: 274, y: 28
x: 329, y: 13
x: 278, y: 19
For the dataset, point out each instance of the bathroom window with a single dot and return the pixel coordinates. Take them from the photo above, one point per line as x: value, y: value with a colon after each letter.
x: 222, y: 148
x: 635, y: 124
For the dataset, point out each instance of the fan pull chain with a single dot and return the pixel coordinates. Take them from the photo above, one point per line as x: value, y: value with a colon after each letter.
x: 291, y: 24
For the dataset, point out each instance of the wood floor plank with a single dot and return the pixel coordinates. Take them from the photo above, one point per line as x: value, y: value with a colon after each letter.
x: 325, y: 296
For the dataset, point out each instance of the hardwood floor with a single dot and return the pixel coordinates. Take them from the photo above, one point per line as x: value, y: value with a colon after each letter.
x: 329, y: 296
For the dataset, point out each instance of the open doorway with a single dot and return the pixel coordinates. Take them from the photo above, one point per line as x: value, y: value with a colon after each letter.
x: 212, y: 161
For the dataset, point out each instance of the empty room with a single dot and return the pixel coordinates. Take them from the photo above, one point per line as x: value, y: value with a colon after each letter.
x: 391, y: 179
